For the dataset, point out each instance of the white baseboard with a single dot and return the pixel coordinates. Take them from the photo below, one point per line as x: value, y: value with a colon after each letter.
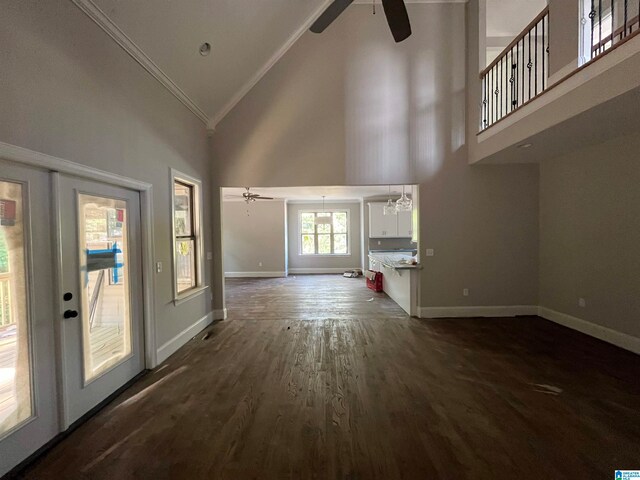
x: 220, y: 314
x: 619, y: 339
x: 304, y: 271
x: 255, y: 274
x: 169, y: 348
x: 470, y: 312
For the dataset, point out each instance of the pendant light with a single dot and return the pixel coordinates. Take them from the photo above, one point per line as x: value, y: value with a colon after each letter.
x: 390, y: 207
x: 324, y: 219
x: 404, y: 203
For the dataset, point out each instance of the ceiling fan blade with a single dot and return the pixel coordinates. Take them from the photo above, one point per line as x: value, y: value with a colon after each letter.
x: 397, y: 18
x: 332, y: 12
x: 263, y: 198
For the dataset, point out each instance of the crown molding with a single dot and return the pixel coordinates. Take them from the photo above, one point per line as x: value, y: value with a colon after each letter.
x: 103, y: 21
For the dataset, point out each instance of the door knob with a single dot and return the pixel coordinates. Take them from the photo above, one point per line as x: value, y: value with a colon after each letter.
x: 70, y: 314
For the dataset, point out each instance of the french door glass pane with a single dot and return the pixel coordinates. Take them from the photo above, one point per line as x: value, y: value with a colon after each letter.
x: 15, y: 365
x: 185, y: 265
x: 106, y: 303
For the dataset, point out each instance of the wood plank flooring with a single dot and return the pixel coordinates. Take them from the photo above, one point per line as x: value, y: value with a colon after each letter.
x: 310, y: 379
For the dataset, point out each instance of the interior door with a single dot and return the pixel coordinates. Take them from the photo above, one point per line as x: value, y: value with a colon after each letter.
x: 102, y: 333
x: 28, y: 404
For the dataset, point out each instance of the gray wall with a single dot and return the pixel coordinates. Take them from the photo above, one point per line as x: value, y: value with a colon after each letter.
x: 68, y: 90
x: 353, y: 260
x: 254, y: 238
x: 563, y: 34
x: 590, y: 234
x: 351, y: 107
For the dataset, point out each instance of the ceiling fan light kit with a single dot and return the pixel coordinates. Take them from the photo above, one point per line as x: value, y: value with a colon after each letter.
x: 394, y: 10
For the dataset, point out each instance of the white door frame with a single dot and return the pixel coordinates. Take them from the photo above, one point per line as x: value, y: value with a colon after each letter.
x: 57, y: 166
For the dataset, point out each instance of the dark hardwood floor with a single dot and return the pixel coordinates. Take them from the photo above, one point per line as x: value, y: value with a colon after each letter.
x: 308, y: 378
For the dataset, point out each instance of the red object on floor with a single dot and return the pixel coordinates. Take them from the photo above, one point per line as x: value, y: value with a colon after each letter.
x: 374, y: 283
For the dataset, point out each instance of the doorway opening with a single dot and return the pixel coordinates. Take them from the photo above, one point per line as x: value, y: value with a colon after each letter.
x: 338, y: 231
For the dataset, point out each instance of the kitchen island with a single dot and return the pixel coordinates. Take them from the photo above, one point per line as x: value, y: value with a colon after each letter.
x: 400, y: 281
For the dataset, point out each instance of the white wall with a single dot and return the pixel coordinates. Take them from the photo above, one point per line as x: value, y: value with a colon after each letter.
x: 340, y: 262
x: 254, y: 234
x: 351, y: 107
x: 590, y: 234
x: 68, y: 90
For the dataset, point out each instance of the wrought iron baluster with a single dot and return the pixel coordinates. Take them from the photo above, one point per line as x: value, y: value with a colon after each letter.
x: 523, y: 69
x: 543, y: 55
x: 535, y: 59
x: 592, y: 16
x: 529, y: 65
x: 599, y: 26
x: 613, y: 20
x: 512, y: 80
x: 500, y: 78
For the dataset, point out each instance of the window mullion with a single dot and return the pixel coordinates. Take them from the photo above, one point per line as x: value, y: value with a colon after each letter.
x: 331, y: 239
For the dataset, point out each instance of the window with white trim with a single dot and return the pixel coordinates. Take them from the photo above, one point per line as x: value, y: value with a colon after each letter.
x: 317, y: 238
x: 187, y: 238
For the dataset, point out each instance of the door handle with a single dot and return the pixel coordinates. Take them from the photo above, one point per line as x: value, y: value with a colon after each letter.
x: 70, y: 314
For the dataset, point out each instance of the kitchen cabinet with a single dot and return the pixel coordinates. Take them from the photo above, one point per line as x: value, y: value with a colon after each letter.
x: 405, y: 224
x: 388, y: 226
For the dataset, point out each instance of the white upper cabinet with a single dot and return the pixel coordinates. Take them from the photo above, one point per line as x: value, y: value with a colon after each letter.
x: 388, y: 226
x: 405, y: 224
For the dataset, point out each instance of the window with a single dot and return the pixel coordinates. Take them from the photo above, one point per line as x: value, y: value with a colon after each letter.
x: 187, y: 242
x: 330, y: 238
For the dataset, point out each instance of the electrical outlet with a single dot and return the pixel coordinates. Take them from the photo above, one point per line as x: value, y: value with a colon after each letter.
x: 430, y: 252
x: 259, y: 264
x: 209, y: 256
x: 158, y: 267
x: 465, y: 292
x: 379, y: 242
x: 582, y: 302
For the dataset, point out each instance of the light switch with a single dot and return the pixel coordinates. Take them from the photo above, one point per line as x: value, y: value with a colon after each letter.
x: 209, y: 256
x: 430, y: 252
x: 158, y: 267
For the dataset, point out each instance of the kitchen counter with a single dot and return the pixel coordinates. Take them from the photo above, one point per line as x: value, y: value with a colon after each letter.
x: 401, y: 282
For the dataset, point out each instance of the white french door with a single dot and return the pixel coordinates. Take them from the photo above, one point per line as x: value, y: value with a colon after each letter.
x: 102, y: 325
x: 28, y: 400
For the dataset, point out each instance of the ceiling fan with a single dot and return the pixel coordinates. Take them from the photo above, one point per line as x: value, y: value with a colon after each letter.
x: 395, y: 11
x: 251, y: 197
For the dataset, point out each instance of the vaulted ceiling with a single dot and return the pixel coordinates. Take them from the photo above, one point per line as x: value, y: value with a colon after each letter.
x: 246, y: 36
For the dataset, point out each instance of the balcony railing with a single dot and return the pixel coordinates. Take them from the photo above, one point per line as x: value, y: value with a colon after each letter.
x: 518, y: 74
x: 609, y: 22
